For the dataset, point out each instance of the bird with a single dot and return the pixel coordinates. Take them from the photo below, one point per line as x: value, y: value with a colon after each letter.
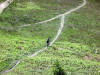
x: 48, y: 41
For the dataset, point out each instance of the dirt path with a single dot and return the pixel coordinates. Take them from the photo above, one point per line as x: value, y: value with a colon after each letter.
x: 5, y: 5
x: 57, y: 35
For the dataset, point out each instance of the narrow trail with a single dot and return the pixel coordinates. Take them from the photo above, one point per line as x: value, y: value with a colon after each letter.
x: 55, y: 38
x: 5, y: 5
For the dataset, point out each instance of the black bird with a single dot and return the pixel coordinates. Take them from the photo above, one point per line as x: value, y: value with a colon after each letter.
x: 48, y: 42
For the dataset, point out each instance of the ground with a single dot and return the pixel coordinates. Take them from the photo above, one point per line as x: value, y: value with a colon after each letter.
x: 77, y: 49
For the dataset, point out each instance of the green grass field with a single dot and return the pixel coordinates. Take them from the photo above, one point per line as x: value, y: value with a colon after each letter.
x: 77, y: 49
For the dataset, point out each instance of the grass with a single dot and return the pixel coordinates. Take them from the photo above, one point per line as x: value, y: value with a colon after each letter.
x: 5, y: 63
x: 58, y: 70
x: 77, y: 49
x: 83, y: 26
x: 70, y: 55
x: 33, y: 12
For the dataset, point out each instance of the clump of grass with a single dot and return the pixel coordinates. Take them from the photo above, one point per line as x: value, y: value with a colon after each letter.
x: 6, y: 64
x: 58, y: 70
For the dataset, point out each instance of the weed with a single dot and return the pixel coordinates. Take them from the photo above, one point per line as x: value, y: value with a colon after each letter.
x: 58, y: 70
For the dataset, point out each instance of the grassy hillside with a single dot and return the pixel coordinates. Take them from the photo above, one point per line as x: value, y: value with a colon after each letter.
x: 17, y: 44
x: 77, y: 49
x: 70, y: 55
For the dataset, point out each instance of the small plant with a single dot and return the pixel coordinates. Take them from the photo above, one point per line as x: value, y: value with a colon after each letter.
x: 58, y: 70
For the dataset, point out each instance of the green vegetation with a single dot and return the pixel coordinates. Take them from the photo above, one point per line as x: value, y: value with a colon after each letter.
x: 70, y: 55
x: 20, y: 13
x: 58, y: 70
x: 77, y: 49
x: 5, y: 63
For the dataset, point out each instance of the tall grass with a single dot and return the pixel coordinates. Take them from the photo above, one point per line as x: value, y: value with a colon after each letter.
x: 58, y: 70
